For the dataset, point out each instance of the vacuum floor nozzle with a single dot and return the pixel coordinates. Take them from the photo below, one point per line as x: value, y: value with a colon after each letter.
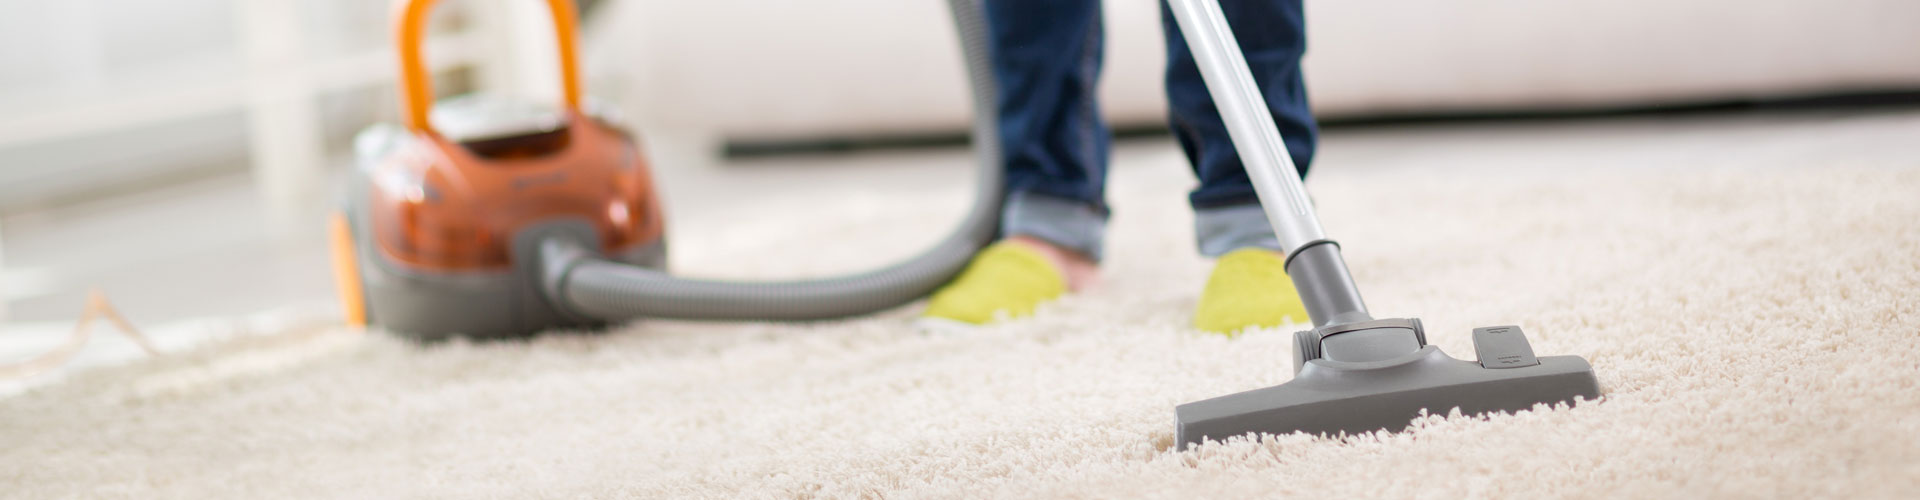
x: 1352, y: 373
x: 1330, y: 397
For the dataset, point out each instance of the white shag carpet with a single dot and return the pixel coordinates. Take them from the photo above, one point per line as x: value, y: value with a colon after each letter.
x: 1756, y: 333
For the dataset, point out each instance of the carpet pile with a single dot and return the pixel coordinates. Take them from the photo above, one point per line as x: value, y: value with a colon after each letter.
x: 1756, y: 333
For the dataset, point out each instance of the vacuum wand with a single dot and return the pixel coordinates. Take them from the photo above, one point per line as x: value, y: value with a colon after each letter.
x: 1320, y: 275
x: 1352, y: 373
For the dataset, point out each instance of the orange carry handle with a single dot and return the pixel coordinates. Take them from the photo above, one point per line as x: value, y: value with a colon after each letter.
x: 416, y: 84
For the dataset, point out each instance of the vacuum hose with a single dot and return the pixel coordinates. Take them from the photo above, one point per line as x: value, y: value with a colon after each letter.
x: 577, y: 280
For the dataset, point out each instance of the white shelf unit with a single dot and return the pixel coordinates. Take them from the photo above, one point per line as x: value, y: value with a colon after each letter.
x: 269, y: 61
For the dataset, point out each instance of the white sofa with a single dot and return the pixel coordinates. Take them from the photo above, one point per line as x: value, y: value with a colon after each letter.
x: 759, y: 69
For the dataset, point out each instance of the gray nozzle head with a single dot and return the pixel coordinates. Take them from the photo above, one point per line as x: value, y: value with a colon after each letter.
x: 1331, y: 397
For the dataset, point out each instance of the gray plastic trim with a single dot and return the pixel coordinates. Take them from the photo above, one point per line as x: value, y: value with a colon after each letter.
x: 1325, y: 286
x: 1503, y: 347
x: 428, y: 305
x: 1332, y: 397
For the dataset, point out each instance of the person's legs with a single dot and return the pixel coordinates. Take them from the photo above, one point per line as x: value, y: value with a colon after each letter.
x: 1249, y: 286
x: 1272, y: 37
x: 1046, y: 62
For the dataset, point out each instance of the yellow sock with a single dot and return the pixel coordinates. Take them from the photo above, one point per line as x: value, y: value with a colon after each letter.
x: 1249, y: 288
x: 1004, y: 279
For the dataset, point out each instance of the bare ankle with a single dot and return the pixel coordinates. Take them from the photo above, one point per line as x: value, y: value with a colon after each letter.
x: 1079, y: 269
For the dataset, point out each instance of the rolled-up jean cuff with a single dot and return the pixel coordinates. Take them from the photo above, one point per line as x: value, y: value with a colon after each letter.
x: 1225, y: 229
x: 1071, y: 224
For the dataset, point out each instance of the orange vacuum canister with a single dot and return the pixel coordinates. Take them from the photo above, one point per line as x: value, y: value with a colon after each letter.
x: 434, y: 239
x: 490, y: 218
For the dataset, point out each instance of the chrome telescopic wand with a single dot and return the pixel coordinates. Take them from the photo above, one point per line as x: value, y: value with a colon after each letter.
x: 1313, y: 260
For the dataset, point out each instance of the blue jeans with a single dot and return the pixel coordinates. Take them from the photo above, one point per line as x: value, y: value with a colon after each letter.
x: 1046, y: 62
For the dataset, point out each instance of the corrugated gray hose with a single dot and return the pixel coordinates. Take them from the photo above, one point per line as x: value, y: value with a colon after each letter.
x: 585, y: 284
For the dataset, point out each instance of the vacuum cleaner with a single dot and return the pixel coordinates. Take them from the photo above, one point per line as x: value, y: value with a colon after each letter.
x: 1352, y: 373
x: 487, y: 218
x: 504, y: 220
